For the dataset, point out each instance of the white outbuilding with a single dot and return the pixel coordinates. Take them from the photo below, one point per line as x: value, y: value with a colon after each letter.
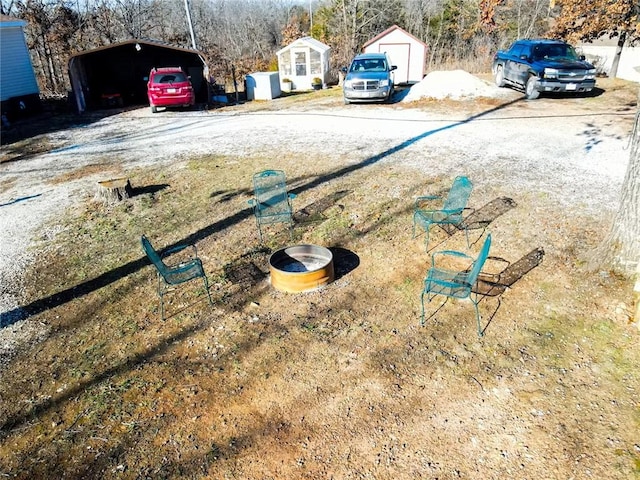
x: 404, y: 50
x: 602, y: 51
x: 302, y: 61
x: 19, y: 92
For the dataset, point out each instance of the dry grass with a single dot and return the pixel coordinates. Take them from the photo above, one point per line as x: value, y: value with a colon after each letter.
x: 338, y: 383
x: 108, y: 168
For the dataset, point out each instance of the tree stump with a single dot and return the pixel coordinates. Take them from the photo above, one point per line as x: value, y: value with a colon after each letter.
x: 114, y: 190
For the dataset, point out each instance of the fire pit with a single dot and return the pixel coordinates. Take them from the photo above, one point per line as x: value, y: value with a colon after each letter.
x: 301, y: 268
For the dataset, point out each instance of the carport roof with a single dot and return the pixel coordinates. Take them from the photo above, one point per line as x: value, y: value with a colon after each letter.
x: 154, y: 43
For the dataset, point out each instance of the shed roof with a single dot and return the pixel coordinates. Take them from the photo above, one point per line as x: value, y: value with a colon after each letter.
x: 388, y: 31
x: 7, y: 21
x: 310, y: 41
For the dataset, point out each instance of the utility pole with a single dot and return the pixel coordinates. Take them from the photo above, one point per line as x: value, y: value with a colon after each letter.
x: 193, y: 37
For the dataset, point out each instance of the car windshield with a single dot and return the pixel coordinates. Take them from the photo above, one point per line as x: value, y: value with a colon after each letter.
x: 174, y: 77
x: 558, y: 51
x: 369, y: 65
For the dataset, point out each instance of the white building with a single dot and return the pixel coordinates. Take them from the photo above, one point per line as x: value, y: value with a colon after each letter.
x: 404, y: 50
x: 19, y: 93
x: 303, y: 60
x: 601, y: 53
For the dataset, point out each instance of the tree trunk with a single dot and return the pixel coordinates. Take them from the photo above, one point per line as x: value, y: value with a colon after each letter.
x: 616, y: 57
x: 620, y: 250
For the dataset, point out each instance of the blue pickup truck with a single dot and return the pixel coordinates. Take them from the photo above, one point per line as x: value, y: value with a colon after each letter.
x: 543, y: 66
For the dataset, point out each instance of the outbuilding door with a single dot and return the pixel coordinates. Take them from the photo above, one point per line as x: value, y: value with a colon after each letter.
x: 399, y: 54
x: 300, y: 63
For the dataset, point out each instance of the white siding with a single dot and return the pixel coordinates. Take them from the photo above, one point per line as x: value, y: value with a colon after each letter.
x: 602, y: 57
x: 404, y: 51
x: 302, y: 61
x: 16, y: 72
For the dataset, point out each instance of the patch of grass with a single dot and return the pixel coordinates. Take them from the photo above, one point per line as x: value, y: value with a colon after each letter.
x: 340, y: 381
x: 107, y: 170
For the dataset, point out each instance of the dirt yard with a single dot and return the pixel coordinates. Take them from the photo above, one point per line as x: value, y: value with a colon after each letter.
x: 342, y: 382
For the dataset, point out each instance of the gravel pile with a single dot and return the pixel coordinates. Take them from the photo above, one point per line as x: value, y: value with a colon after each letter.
x: 453, y: 84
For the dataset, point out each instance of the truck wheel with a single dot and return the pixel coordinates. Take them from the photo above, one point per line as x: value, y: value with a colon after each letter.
x: 530, y: 90
x: 499, y: 76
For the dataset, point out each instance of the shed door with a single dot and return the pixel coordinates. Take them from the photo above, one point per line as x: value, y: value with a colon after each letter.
x: 399, y: 54
x: 300, y: 62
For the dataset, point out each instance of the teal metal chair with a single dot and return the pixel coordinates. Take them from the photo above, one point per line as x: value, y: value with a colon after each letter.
x: 271, y: 202
x: 182, y: 272
x: 450, y: 211
x: 455, y: 283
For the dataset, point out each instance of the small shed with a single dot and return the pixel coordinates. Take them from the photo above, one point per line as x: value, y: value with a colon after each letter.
x: 303, y: 60
x: 19, y: 92
x: 404, y: 50
x: 262, y: 86
x: 121, y: 70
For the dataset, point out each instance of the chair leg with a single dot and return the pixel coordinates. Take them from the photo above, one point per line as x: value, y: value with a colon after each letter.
x: 422, y: 303
x: 206, y: 287
x: 161, y: 295
x: 426, y: 238
x: 475, y: 304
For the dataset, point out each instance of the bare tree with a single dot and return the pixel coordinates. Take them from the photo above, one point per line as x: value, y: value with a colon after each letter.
x: 580, y: 20
x: 620, y: 249
x: 7, y: 7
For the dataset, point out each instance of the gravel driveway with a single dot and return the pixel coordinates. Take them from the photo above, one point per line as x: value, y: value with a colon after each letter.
x: 572, y: 149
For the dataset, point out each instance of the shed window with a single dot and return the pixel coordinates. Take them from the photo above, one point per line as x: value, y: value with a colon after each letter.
x: 301, y: 64
x: 285, y: 63
x: 315, y: 62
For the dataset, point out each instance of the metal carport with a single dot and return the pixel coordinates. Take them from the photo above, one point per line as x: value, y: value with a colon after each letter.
x: 121, y: 70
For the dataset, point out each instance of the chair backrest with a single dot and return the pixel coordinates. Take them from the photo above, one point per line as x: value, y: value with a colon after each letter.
x: 458, y: 195
x: 479, y: 262
x: 153, y: 255
x: 270, y: 190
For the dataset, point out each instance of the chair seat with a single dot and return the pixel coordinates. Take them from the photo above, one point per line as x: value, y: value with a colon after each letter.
x: 276, y: 213
x: 438, y: 216
x: 183, y: 272
x: 447, y: 282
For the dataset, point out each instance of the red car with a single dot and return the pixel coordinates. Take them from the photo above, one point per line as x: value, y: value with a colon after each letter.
x: 169, y: 87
